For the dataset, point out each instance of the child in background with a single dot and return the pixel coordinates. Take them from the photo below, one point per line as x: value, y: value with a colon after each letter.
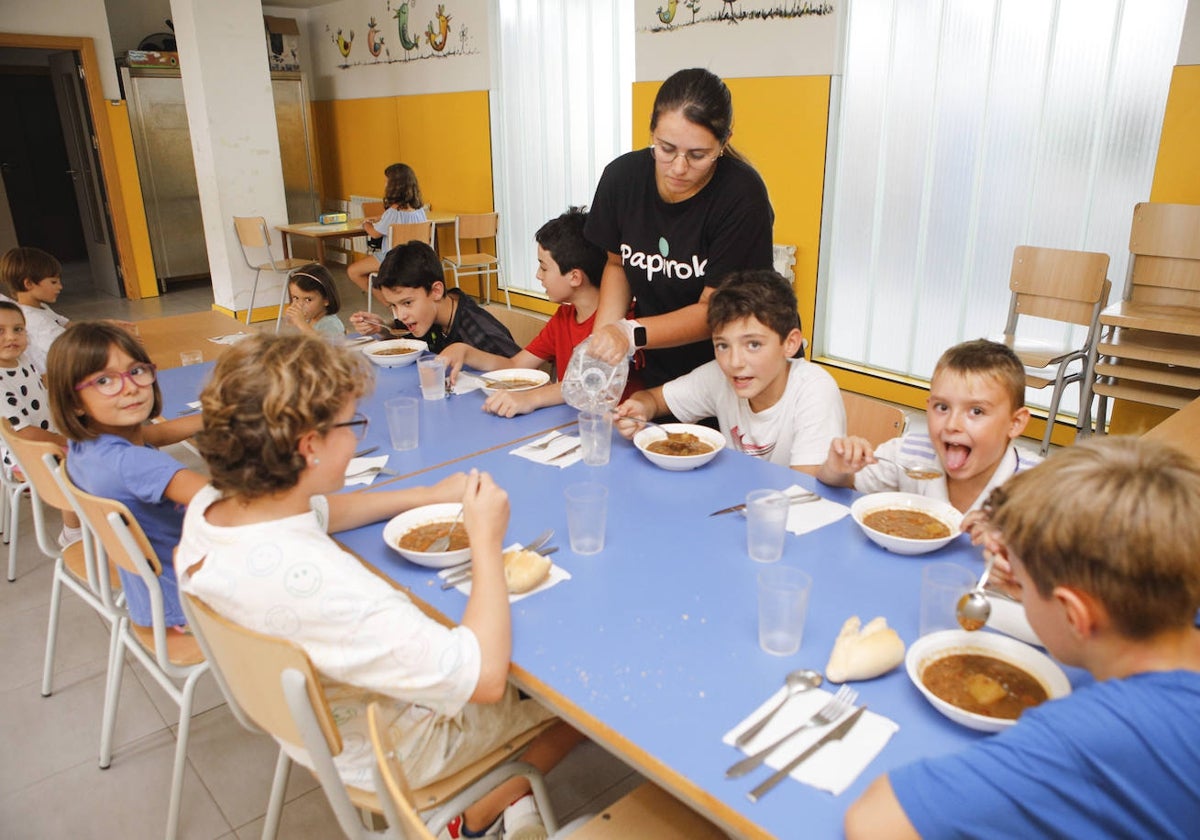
x: 102, y: 393
x: 314, y: 301
x: 412, y: 284
x: 975, y: 410
x: 767, y: 404
x: 403, y: 205
x: 1102, y: 540
x: 280, y: 427
x: 34, y: 280
x: 569, y: 268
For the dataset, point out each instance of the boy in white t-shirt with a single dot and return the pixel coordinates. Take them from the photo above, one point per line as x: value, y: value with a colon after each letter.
x: 767, y: 404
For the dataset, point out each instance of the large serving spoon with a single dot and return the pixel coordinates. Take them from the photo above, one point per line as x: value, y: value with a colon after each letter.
x: 914, y: 472
x: 795, y: 683
x: 974, y: 609
x: 443, y: 542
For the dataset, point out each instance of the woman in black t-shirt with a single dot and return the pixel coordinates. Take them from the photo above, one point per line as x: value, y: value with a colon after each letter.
x: 674, y: 219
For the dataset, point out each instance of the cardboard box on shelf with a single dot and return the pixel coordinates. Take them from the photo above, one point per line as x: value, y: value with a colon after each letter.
x: 151, y: 58
x: 283, y: 42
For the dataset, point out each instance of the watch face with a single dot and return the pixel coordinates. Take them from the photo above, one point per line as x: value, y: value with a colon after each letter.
x: 639, y: 336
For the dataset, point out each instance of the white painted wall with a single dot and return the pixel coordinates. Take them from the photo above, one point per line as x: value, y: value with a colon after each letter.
x: 79, y: 18
x: 1189, y: 46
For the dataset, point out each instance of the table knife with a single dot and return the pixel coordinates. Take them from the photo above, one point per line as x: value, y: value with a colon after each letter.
x: 563, y: 454
x: 795, y: 500
x: 835, y: 734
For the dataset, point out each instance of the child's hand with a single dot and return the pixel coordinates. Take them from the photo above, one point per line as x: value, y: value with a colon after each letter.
x: 510, y: 403
x: 295, y: 316
x: 485, y: 507
x: 453, y: 356
x: 850, y: 454
x: 449, y: 489
x: 625, y: 416
x: 367, y: 323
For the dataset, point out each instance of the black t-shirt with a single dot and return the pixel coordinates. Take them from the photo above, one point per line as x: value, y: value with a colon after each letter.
x: 471, y: 325
x: 672, y: 251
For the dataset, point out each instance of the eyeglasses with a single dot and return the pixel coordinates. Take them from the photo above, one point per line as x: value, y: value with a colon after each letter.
x: 112, y: 382
x: 359, y: 424
x: 695, y: 159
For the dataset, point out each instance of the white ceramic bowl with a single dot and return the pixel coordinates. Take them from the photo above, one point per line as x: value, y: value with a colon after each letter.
x: 400, y: 525
x: 650, y: 434
x: 928, y: 649
x: 540, y: 377
x: 901, y: 545
x: 375, y: 351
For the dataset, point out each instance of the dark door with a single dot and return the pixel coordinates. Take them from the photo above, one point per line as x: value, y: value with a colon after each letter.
x: 33, y: 160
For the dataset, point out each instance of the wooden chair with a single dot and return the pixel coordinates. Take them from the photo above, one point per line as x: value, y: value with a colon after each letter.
x: 75, y: 566
x: 13, y: 488
x: 168, y: 656
x: 273, y: 683
x: 255, y: 239
x: 1069, y: 287
x: 398, y: 233
x: 1149, y: 350
x: 648, y: 811
x: 1179, y: 430
x: 871, y: 419
x: 373, y: 210
x: 475, y: 228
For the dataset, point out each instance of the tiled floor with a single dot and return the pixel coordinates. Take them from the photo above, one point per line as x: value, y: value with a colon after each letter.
x: 50, y: 784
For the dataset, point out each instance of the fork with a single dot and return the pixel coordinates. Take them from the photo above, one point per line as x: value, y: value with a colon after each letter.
x: 827, y: 714
x: 373, y: 470
x: 539, y: 446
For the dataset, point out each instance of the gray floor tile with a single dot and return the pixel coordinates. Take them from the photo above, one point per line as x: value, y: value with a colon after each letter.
x: 307, y: 817
x: 207, y: 694
x: 129, y: 800
x: 82, y: 639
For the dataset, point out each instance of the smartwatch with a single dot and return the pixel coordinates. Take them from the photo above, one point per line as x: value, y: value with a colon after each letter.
x: 639, y: 336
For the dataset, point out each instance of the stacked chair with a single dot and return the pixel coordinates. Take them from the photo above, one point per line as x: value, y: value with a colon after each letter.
x: 1149, y: 349
x: 1068, y: 287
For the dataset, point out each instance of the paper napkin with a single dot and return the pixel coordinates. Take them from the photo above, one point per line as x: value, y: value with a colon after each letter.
x: 232, y: 338
x: 836, y: 765
x: 557, y: 575
x: 466, y: 383
x: 561, y: 450
x: 812, y: 515
x: 359, y: 465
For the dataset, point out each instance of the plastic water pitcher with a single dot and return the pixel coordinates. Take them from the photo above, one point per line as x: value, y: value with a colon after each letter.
x: 590, y: 384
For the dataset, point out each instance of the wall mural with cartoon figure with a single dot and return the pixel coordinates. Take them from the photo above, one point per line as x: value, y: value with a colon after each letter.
x: 738, y: 38
x: 402, y: 47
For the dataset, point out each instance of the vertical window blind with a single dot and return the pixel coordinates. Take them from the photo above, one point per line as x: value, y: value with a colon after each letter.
x: 561, y: 102
x: 965, y: 129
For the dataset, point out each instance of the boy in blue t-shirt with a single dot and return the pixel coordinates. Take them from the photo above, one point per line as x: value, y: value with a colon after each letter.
x: 1101, y: 539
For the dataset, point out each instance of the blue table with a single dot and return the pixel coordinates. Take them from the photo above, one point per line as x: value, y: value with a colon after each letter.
x: 450, y: 429
x: 652, y: 649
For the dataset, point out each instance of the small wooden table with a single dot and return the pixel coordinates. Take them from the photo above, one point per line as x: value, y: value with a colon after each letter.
x: 343, y: 230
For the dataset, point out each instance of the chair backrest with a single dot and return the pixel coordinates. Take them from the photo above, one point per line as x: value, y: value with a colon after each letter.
x: 28, y: 455
x: 476, y: 226
x: 115, y: 527
x: 871, y: 419
x: 1164, y: 248
x: 252, y: 231
x: 372, y: 209
x: 394, y: 793
x: 1057, y: 284
x: 420, y: 231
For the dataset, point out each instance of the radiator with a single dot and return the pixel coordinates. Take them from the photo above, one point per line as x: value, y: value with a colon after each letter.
x: 354, y: 205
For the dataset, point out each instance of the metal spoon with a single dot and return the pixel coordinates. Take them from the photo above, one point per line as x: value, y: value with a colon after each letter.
x: 442, y: 543
x: 913, y: 472
x: 974, y: 608
x: 670, y: 435
x: 795, y: 682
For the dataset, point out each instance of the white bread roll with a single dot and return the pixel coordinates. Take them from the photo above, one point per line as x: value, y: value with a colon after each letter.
x: 525, y: 570
x: 860, y: 654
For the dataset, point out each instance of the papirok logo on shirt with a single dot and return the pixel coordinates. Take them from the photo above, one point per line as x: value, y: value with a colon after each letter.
x: 662, y: 264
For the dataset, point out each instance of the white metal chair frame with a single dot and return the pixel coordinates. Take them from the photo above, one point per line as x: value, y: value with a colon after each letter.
x: 131, y: 544
x: 480, y: 264
x: 252, y: 232
x: 12, y: 489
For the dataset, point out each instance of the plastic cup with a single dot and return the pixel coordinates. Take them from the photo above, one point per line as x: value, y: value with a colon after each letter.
x: 191, y: 357
x: 942, y: 584
x: 595, y: 436
x: 432, y: 372
x: 766, y: 521
x: 782, y: 607
x: 402, y: 420
x: 587, y: 510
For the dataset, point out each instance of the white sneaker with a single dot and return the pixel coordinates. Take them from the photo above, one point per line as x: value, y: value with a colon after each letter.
x: 454, y: 830
x: 522, y: 820
x: 69, y: 535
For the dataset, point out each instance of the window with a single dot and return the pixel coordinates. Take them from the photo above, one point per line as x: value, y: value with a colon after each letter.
x: 561, y: 107
x: 965, y: 129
